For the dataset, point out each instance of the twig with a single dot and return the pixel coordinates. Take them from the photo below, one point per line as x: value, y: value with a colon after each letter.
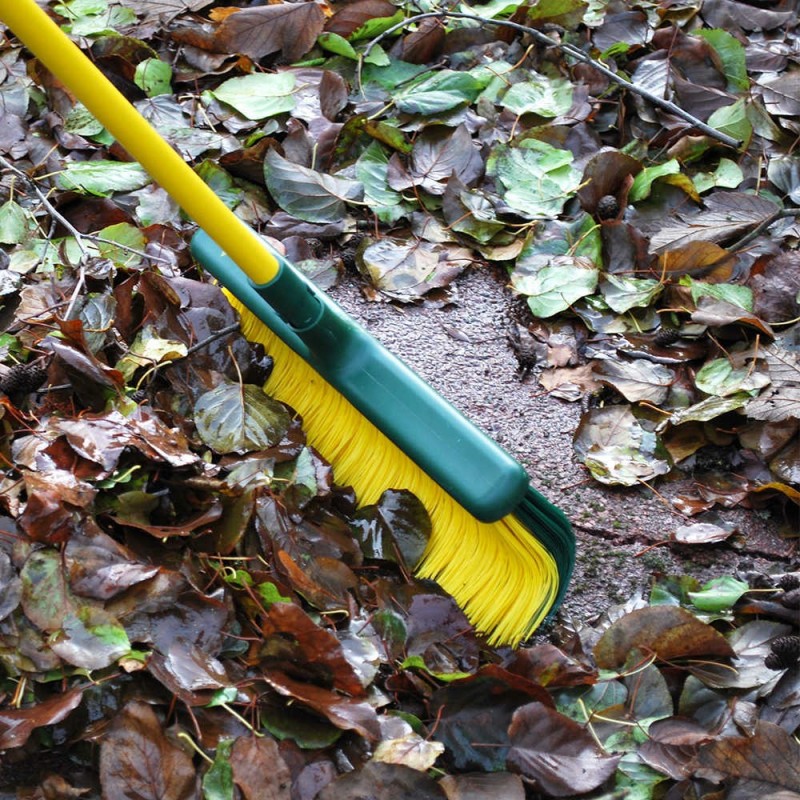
x: 570, y: 50
x: 232, y: 328
x: 762, y: 226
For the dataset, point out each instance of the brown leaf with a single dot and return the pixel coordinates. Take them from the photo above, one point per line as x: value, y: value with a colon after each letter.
x: 425, y: 43
x: 770, y: 757
x: 672, y: 744
x: 701, y: 533
x: 667, y: 631
x: 483, y: 786
x: 291, y: 28
x: 352, y: 16
x: 16, y: 725
x: 706, y: 259
x: 138, y: 762
x: 314, y: 652
x: 377, y: 781
x: 556, y: 755
x: 344, y: 712
x: 258, y: 769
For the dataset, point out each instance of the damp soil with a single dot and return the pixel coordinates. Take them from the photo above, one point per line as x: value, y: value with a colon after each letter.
x: 462, y: 350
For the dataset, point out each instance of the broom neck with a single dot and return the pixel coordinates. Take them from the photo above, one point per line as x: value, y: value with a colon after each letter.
x: 53, y: 48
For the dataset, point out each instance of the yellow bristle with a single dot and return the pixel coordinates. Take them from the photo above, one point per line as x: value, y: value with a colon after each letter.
x: 498, y: 573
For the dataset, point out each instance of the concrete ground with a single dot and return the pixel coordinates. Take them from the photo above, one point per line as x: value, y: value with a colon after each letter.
x: 463, y: 352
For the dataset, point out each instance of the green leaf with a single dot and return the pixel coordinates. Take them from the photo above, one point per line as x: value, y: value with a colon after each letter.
x: 418, y: 662
x: 237, y: 419
x: 709, y: 409
x: 82, y: 122
x: 719, y: 594
x: 372, y: 170
x: 334, y: 43
x: 260, y: 95
x: 221, y: 182
x: 376, y: 26
x: 741, y: 296
x: 269, y: 593
x: 732, y: 55
x: 97, y: 315
x: 149, y: 349
x: 555, y: 287
x: 718, y: 377
x: 727, y: 175
x: 218, y: 780
x: 123, y: 233
x: 103, y: 178
x: 46, y: 598
x: 534, y: 178
x: 733, y: 120
x: 623, y: 293
x: 306, y: 194
x: 437, y: 93
x: 643, y: 182
x: 153, y: 77
x: 15, y: 223
x: 547, y: 97
x: 90, y: 639
x: 223, y: 696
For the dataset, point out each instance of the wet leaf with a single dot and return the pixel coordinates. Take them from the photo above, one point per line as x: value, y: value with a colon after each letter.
x: 637, y: 380
x: 719, y: 377
x: 666, y: 631
x: 103, y: 178
x: 237, y: 419
x: 46, y: 599
x: 535, y: 178
x: 378, y: 781
x: 259, y: 771
x: 617, y: 448
x: 556, y: 755
x: 718, y: 594
x: 307, y: 194
x: 408, y: 270
x: 10, y: 586
x: 623, y: 293
x: 16, y: 725
x: 546, y: 97
x: 138, y: 762
x: 480, y: 786
x: 770, y: 759
x: 397, y: 528
x: 557, y: 285
x: 90, y: 638
x: 475, y: 713
x: 288, y: 28
x: 438, y: 92
x: 218, y: 780
x: 15, y: 224
x: 410, y: 750
x: 701, y: 533
x: 260, y: 95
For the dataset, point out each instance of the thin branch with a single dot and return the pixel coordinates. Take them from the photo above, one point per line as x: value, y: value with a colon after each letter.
x: 762, y: 226
x: 575, y: 53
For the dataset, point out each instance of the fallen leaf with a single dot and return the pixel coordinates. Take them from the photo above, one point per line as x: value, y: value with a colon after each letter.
x: 138, y: 762
x: 770, y: 759
x: 555, y: 754
x: 668, y: 632
x: 259, y: 770
x: 288, y: 28
x: 17, y: 724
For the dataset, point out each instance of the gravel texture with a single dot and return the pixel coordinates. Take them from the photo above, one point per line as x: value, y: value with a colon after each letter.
x: 462, y: 350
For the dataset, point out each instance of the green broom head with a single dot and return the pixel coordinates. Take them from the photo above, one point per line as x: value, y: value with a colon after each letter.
x: 497, y: 546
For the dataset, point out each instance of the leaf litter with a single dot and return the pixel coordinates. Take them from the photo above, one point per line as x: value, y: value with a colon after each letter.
x: 191, y: 606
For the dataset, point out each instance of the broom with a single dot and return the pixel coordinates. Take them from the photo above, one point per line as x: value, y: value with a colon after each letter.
x: 497, y: 546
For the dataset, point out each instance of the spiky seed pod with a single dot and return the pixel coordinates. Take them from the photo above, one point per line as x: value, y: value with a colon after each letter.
x: 24, y: 378
x: 789, y: 581
x: 666, y: 336
x: 607, y: 207
x: 785, y: 653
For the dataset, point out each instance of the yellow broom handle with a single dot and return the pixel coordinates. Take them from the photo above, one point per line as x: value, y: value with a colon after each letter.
x: 54, y: 49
